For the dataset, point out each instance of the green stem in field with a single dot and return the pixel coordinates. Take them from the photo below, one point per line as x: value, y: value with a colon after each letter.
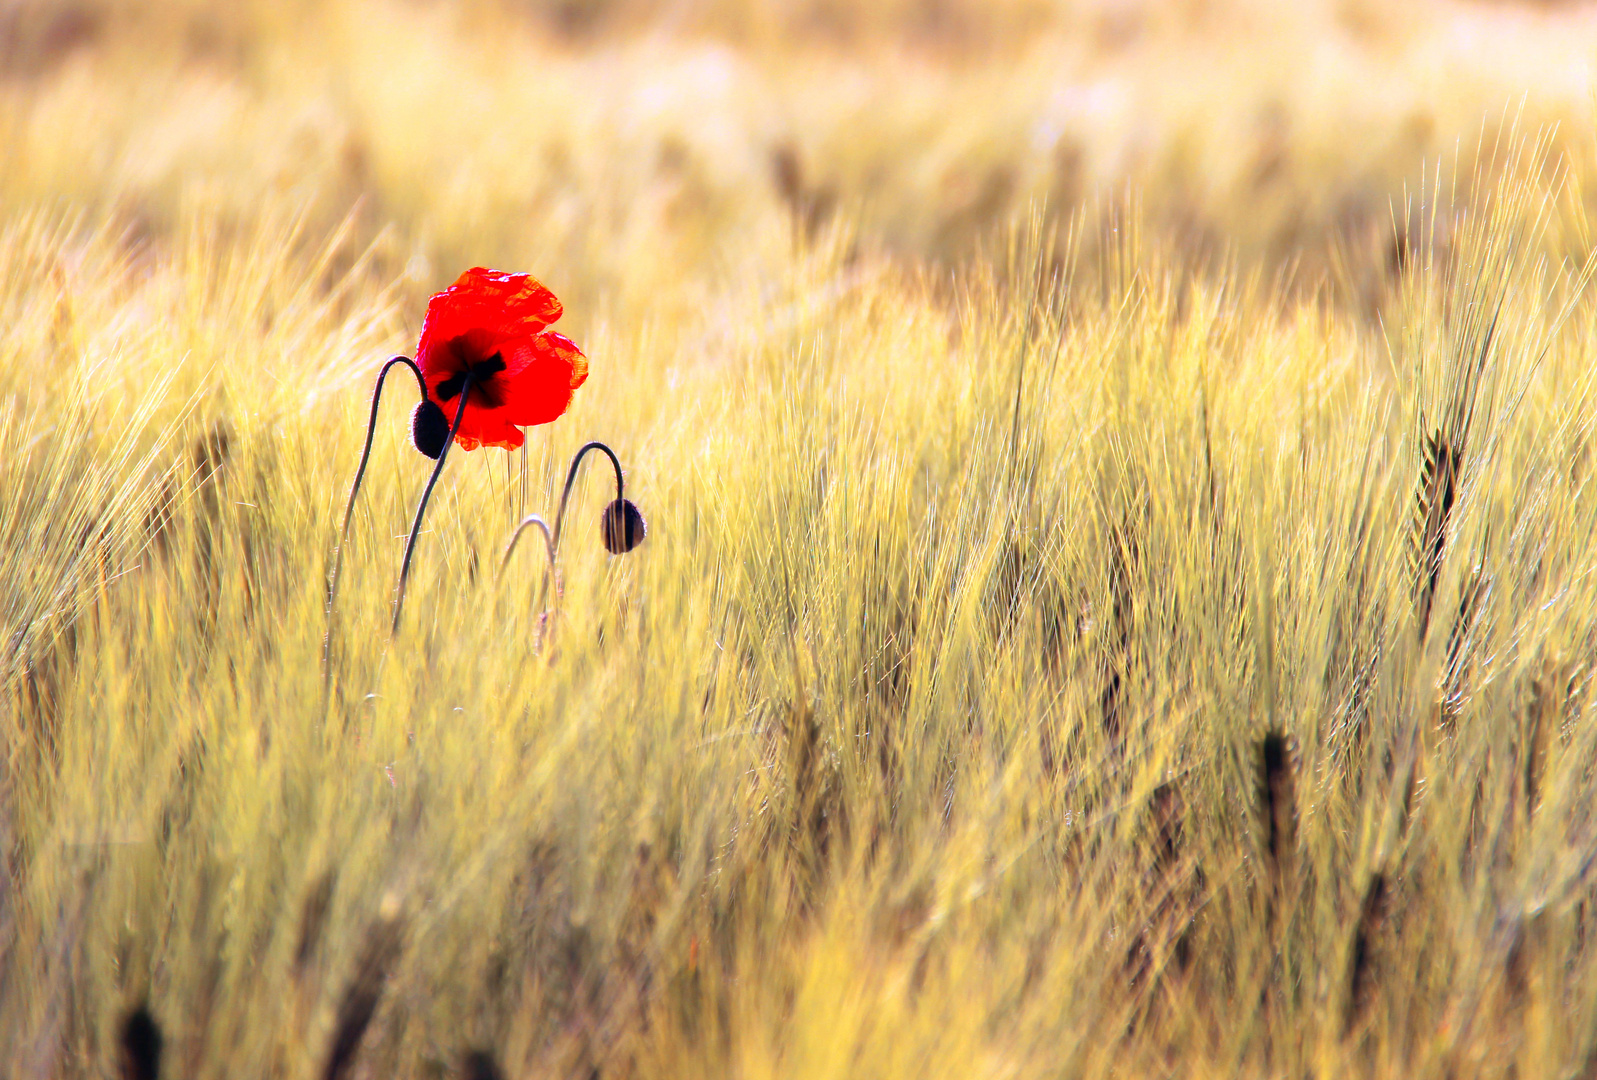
x: 349, y: 509
x: 533, y: 521
x: 426, y: 495
x: 571, y: 480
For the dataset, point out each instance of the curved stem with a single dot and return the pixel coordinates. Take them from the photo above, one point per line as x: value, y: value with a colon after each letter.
x: 571, y: 479
x: 349, y: 509
x: 530, y: 521
x: 421, y: 507
x: 533, y: 521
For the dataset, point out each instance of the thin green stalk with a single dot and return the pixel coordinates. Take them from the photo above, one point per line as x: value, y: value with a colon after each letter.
x: 528, y: 522
x: 571, y: 480
x: 349, y: 512
x: 421, y: 507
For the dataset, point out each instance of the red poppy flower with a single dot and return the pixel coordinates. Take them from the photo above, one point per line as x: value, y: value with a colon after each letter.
x: 492, y: 325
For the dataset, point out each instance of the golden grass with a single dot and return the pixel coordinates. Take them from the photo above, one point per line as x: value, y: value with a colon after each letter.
x: 1146, y: 636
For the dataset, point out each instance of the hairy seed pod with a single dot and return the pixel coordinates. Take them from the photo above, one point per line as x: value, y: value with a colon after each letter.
x: 429, y: 428
x: 622, y: 526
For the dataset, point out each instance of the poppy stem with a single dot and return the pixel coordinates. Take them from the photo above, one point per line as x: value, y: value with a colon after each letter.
x: 531, y: 521
x: 426, y: 495
x: 571, y: 480
x: 528, y: 522
x: 349, y: 512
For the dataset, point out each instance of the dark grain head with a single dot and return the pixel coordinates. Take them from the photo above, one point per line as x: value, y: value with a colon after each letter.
x: 139, y: 1045
x: 479, y: 1065
x: 1277, y: 803
x: 379, y: 953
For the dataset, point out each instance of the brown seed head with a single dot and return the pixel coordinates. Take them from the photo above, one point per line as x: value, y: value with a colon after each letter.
x: 140, y: 1045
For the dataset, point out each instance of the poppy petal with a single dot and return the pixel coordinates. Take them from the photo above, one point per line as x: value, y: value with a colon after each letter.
x: 489, y: 314
x: 541, y: 374
x: 488, y: 427
x: 487, y: 307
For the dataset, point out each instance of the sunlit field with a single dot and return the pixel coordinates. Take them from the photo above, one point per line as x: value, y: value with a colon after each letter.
x: 1119, y: 595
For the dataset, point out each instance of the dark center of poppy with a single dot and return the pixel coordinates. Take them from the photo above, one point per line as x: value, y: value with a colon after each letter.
x: 479, y: 373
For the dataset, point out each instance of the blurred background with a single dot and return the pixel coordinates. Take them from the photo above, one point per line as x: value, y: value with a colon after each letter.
x: 786, y: 234
x: 581, y: 133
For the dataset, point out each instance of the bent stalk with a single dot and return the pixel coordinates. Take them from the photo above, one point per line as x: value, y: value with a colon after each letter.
x: 349, y: 512
x: 529, y: 522
x: 571, y: 480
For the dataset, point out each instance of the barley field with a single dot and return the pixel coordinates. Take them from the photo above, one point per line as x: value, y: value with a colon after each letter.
x: 1119, y: 596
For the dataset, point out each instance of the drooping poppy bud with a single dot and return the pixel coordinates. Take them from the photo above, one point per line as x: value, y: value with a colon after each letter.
x: 429, y: 428
x: 622, y: 526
